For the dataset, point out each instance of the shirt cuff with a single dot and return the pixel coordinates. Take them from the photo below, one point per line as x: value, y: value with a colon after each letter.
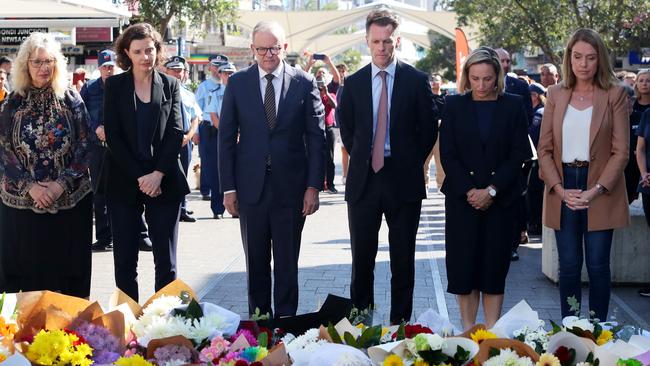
x: 230, y: 191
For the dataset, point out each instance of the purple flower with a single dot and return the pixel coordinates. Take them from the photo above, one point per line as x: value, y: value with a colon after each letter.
x: 172, y: 352
x: 106, y: 347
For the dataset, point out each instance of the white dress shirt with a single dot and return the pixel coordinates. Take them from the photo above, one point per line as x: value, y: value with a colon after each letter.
x: 376, y: 95
x: 277, y: 83
x: 575, y: 134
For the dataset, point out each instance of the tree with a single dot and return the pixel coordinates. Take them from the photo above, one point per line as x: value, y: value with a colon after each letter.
x: 351, y: 58
x: 520, y: 24
x: 160, y: 12
x: 440, y: 58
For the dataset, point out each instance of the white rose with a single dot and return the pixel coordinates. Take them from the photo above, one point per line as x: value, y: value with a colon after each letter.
x: 574, y: 322
x: 436, y: 342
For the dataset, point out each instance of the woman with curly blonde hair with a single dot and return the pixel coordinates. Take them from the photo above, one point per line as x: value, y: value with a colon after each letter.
x: 45, y: 192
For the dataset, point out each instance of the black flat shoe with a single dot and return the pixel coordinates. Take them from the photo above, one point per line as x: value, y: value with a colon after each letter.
x: 145, y: 245
x: 217, y: 217
x: 189, y: 212
x: 102, y: 246
x: 514, y: 256
x: 187, y: 218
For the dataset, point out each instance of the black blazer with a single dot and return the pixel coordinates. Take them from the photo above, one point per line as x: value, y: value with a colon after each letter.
x: 413, y: 130
x: 470, y: 164
x: 520, y: 87
x: 124, y: 169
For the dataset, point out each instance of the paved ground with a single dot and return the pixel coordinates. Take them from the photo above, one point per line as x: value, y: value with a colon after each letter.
x: 210, y: 259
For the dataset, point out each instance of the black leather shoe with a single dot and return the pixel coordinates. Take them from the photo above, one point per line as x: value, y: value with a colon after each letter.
x: 187, y: 218
x: 145, y: 245
x: 645, y: 292
x: 102, y: 246
x: 333, y: 190
x: 189, y: 212
x: 514, y: 256
x: 217, y: 217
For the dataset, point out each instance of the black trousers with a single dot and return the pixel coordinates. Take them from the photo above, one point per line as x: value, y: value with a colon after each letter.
x: 364, y: 218
x: 269, y: 227
x: 330, y: 141
x: 186, y: 158
x: 162, y: 219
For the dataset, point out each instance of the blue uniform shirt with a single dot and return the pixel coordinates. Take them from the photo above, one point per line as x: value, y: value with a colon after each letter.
x: 204, y: 94
x: 190, y: 108
x: 216, y: 101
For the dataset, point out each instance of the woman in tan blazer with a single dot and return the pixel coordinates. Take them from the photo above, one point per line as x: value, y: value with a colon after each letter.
x: 582, y: 152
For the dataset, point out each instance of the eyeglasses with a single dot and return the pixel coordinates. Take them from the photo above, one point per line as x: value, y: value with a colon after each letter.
x: 262, y: 51
x: 37, y: 64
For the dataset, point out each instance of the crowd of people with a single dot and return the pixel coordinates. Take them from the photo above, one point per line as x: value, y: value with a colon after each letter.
x: 511, y: 155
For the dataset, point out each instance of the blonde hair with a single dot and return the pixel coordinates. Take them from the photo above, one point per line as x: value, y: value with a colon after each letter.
x: 604, y: 77
x: 636, y: 85
x: 22, y: 81
x: 482, y: 55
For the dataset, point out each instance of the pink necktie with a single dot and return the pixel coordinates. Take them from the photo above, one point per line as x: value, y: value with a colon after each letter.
x: 380, y: 131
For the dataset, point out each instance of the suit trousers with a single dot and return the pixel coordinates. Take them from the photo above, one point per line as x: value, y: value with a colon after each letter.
x: 271, y: 227
x: 186, y: 158
x: 162, y: 219
x: 102, y: 219
x: 364, y: 219
x: 207, y: 144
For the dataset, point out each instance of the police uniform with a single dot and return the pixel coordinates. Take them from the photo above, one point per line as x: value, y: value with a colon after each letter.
x: 206, y: 91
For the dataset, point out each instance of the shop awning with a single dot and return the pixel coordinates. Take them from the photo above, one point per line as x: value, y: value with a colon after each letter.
x: 61, y: 13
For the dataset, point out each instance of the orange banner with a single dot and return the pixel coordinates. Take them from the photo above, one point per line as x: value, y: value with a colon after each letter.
x: 462, y: 51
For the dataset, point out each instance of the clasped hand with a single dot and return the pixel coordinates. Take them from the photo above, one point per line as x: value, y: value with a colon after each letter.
x: 149, y: 184
x: 480, y: 199
x: 645, y: 180
x: 577, y: 199
x: 45, y: 194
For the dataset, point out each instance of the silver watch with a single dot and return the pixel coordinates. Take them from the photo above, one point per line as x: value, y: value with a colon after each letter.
x: 492, y: 192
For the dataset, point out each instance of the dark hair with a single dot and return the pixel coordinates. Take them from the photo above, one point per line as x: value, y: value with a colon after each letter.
x: 382, y: 18
x: 5, y: 59
x: 137, y: 32
x: 342, y: 66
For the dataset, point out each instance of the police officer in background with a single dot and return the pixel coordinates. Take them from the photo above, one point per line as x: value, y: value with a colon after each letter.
x: 214, y: 108
x: 93, y: 95
x: 207, y: 138
x: 190, y: 113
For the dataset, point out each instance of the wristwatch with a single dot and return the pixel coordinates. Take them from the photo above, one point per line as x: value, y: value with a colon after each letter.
x: 600, y: 188
x: 492, y: 191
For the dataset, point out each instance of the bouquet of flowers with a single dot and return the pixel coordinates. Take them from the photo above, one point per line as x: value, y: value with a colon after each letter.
x: 537, y: 338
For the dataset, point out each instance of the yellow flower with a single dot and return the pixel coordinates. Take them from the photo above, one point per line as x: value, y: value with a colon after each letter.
x: 360, y: 326
x: 604, y: 337
x: 421, y: 362
x: 393, y: 360
x: 384, y: 330
x: 481, y: 335
x: 7, y: 330
x: 548, y: 359
x: 135, y: 360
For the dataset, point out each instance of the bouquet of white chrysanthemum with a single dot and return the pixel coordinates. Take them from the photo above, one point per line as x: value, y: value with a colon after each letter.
x: 508, y: 357
x: 536, y: 338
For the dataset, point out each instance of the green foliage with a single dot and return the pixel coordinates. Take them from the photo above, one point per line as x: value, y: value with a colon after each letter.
x: 461, y: 355
x: 574, y: 305
x: 592, y: 360
x: 351, y: 57
x: 336, y: 338
x: 160, y: 12
x: 493, y: 352
x: 192, y: 312
x: 440, y: 58
x: 522, y: 24
x: 263, y: 339
x: 401, y: 332
x: 257, y: 316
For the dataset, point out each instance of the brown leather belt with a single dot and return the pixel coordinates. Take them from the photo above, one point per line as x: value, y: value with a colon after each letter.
x: 577, y: 164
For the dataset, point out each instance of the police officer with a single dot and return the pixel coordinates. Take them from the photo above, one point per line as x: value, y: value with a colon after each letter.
x: 214, y: 108
x: 190, y: 113
x: 207, y: 134
x: 93, y: 96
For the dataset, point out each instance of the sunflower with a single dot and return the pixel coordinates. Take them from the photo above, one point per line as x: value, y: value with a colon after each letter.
x: 481, y: 335
x: 393, y: 360
x: 604, y: 337
x: 548, y: 359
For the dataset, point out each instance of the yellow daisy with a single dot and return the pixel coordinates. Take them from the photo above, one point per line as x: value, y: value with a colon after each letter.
x: 481, y: 335
x: 604, y: 337
x: 393, y: 360
x: 548, y: 359
x: 420, y: 362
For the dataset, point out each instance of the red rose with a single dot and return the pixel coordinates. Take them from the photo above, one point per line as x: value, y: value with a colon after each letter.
x: 411, y: 331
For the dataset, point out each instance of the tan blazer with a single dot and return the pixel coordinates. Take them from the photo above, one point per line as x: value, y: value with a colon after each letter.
x: 608, y: 155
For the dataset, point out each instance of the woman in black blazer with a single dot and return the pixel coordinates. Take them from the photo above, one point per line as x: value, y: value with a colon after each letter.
x: 483, y: 144
x: 144, y: 132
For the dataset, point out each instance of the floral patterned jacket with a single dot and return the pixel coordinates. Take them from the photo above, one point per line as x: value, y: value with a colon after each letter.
x: 44, y: 138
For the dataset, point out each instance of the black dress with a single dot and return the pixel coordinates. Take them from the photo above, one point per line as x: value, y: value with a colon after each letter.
x: 43, y: 138
x: 632, y: 174
x: 481, y: 144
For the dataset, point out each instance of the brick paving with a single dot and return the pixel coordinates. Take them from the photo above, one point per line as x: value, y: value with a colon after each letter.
x: 211, y: 260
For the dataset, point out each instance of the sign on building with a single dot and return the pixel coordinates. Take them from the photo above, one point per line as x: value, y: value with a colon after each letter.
x: 9, y: 36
